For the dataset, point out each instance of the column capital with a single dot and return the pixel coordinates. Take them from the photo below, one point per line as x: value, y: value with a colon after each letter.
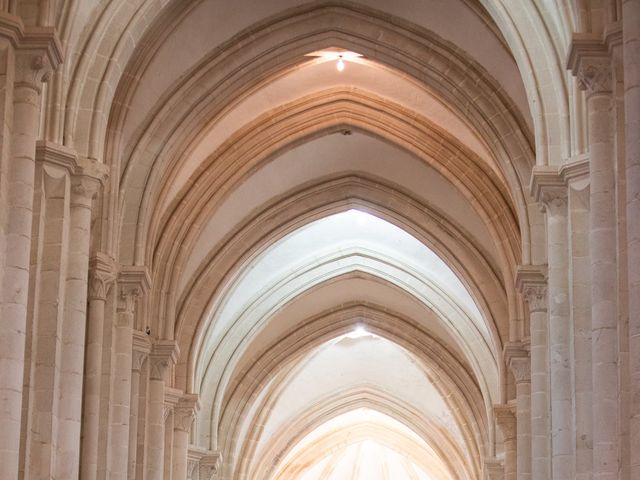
x: 133, y: 282
x: 141, y: 348
x: 590, y: 62
x: 210, y: 465
x: 88, y: 177
x: 38, y: 50
x: 164, y: 354
x: 521, y: 369
x: 531, y: 281
x: 185, y: 412
x: 549, y: 188
x: 505, y: 416
x: 102, y: 274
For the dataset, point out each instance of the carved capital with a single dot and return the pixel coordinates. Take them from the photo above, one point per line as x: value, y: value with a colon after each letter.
x: 531, y: 281
x: 133, y: 282
x: 548, y: 187
x: 141, y: 348
x: 521, y: 369
x: 536, y: 297
x: 506, y: 420
x: 127, y: 297
x: 595, y: 76
x: 167, y: 410
x: 183, y: 418
x: 89, y: 176
x: 137, y: 360
x: 32, y: 70
x: 164, y: 354
x: 210, y: 466
x: 192, y: 466
x: 589, y: 60
x: 516, y: 356
x: 99, y: 284
x: 185, y: 412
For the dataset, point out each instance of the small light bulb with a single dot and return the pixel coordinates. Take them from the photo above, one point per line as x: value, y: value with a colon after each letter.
x: 340, y: 64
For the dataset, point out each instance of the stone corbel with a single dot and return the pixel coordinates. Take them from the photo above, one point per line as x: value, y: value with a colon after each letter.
x: 531, y: 282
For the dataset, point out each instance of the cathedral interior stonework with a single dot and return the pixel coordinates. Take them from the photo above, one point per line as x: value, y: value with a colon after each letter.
x: 320, y: 239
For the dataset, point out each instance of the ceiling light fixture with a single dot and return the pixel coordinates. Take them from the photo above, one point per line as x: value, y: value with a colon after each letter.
x: 340, y: 64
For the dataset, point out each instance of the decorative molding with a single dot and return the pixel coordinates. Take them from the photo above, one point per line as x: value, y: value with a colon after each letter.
x: 56, y: 154
x: 575, y: 169
x: 531, y: 282
x: 185, y: 412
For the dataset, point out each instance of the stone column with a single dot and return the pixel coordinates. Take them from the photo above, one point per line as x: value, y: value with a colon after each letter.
x: 562, y: 445
x: 141, y: 349
x: 184, y: 415
x: 101, y: 276
x: 631, y: 52
x: 531, y: 281
x: 506, y: 420
x: 123, y: 340
x: 163, y: 354
x: 594, y: 74
x: 84, y: 186
x: 32, y: 67
x: 520, y: 366
x: 132, y: 283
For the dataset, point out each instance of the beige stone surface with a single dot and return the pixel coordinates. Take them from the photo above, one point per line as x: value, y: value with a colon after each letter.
x: 222, y: 257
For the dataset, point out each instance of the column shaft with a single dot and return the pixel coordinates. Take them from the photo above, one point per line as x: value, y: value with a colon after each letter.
x: 93, y: 377
x: 15, y: 279
x: 604, y: 321
x: 631, y: 52
x: 121, y: 396
x: 138, y: 359
x: 540, y: 466
x: 562, y: 445
x: 73, y: 330
x: 521, y: 369
x: 155, y: 429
